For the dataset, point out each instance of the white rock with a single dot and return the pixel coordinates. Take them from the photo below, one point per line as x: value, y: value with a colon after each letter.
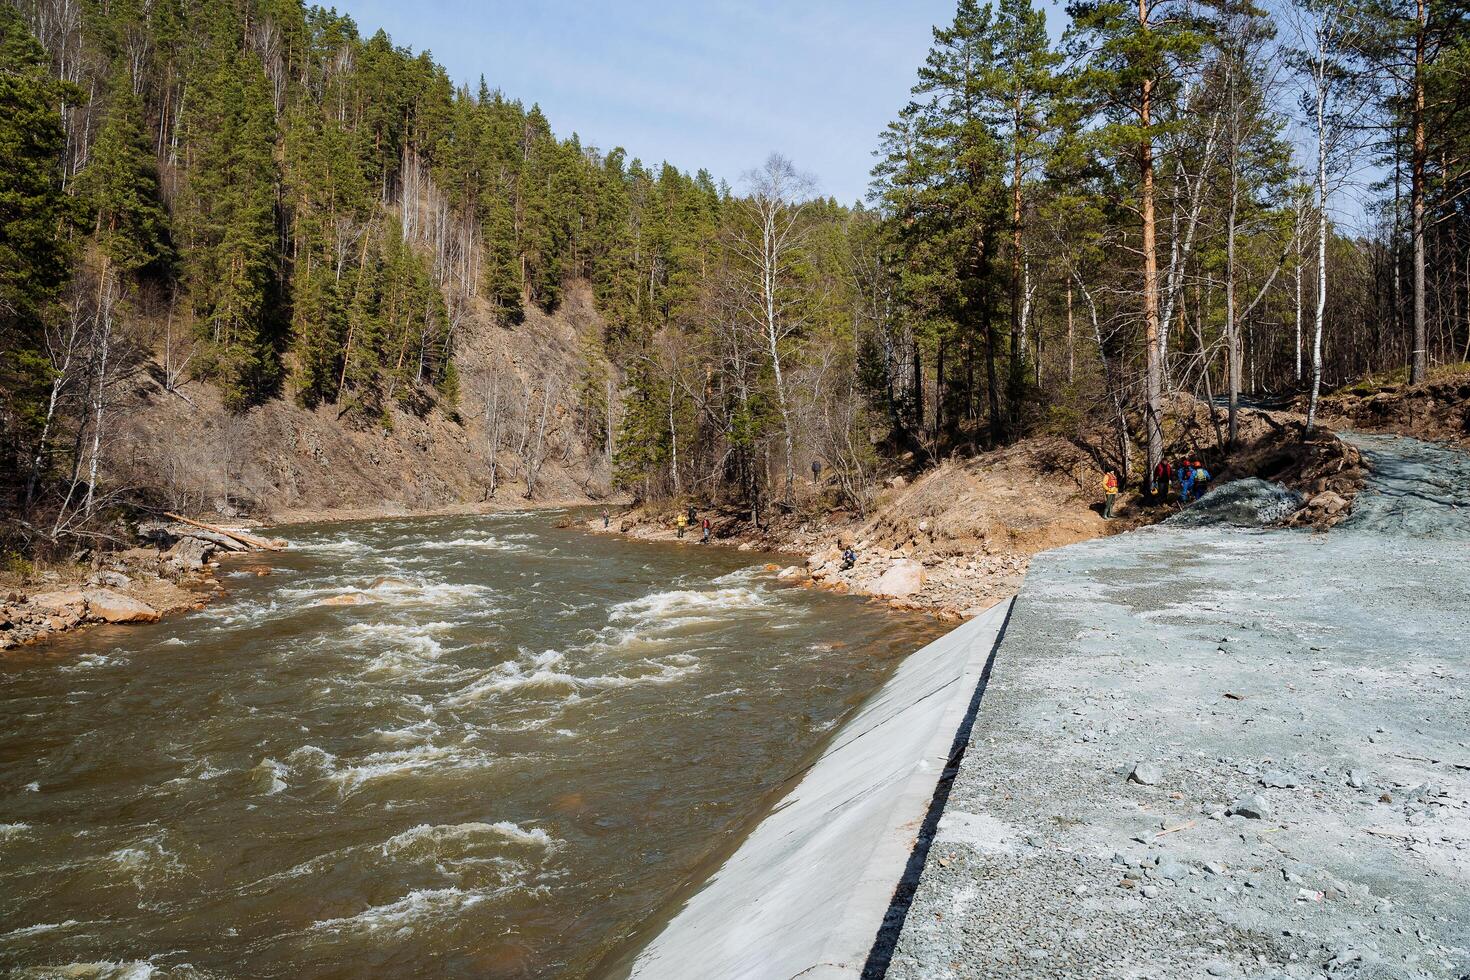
x: 903, y: 578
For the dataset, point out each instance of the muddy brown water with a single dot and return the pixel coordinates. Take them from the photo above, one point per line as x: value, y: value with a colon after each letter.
x: 500, y: 763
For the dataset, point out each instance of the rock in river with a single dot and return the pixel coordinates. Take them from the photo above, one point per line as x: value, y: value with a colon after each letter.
x: 114, y: 607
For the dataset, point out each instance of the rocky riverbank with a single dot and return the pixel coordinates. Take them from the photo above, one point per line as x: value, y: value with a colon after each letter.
x: 173, y: 569
x: 959, y: 538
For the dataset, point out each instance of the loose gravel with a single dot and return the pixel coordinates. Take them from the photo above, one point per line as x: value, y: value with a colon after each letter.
x: 1298, y: 706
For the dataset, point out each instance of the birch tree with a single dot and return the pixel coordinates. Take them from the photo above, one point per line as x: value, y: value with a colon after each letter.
x: 770, y: 243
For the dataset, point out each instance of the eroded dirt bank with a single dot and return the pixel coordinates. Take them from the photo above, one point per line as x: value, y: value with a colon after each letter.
x: 959, y: 538
x: 1221, y: 752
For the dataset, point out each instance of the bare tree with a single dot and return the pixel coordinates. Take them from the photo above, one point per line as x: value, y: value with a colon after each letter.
x: 538, y: 447
x: 491, y: 398
x: 1326, y: 29
x: 769, y: 243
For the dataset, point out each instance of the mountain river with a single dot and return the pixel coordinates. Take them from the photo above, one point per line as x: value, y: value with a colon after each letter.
x: 505, y: 758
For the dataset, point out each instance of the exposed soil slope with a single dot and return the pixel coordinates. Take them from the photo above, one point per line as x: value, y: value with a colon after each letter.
x: 1438, y: 409
x: 279, y: 460
x: 958, y: 538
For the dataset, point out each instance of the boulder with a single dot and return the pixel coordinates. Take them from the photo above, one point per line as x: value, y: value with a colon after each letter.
x: 821, y: 558
x: 1327, y: 502
x: 210, y: 537
x: 346, y: 599
x: 61, y: 603
x: 1252, y: 806
x: 791, y: 574
x: 903, y: 578
x: 116, y: 580
x: 1146, y: 774
x: 189, y: 554
x: 114, y: 607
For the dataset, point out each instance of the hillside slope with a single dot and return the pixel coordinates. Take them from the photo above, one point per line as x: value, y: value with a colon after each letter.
x: 281, y: 461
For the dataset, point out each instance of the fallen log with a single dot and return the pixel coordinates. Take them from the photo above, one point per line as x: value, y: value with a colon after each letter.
x: 218, y: 540
x: 250, y: 540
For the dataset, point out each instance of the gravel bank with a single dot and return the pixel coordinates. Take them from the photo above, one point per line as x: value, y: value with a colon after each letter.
x: 1212, y: 752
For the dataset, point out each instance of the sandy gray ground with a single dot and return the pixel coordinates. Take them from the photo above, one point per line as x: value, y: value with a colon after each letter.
x: 1320, y: 684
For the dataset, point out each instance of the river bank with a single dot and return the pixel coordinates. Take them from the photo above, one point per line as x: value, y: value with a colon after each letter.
x: 175, y: 567
x: 1221, y: 752
x: 147, y: 583
x: 958, y: 538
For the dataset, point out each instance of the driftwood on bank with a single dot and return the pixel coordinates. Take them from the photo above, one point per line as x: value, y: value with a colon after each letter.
x: 249, y: 540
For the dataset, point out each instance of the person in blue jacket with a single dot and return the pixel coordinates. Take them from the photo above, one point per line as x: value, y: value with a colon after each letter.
x: 1186, y: 482
x: 1202, y: 479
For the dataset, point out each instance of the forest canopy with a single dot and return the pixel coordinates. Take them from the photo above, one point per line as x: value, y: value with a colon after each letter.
x: 257, y: 197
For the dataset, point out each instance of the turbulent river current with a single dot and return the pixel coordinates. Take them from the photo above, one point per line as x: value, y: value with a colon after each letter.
x: 504, y: 756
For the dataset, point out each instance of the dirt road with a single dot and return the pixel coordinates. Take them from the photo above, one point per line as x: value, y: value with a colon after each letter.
x: 1219, y: 752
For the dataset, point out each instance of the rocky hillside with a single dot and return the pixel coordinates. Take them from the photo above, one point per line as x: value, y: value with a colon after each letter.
x: 280, y: 461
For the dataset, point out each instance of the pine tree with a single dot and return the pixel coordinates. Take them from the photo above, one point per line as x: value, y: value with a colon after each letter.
x: 942, y: 176
x: 1131, y: 74
x: 230, y: 222
x: 35, y: 215
x: 120, y: 186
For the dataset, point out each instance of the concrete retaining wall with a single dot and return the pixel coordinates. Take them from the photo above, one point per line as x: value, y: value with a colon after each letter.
x: 806, y: 893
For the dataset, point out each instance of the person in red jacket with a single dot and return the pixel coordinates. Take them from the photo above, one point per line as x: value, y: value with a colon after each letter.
x: 1161, y: 481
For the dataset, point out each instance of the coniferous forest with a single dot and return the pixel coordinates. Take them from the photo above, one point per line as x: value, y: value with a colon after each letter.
x: 1238, y: 202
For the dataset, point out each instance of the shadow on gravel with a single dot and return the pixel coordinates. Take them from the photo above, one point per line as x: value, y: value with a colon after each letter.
x: 903, y: 896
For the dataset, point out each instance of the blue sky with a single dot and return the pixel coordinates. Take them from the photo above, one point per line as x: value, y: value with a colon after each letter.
x: 701, y: 84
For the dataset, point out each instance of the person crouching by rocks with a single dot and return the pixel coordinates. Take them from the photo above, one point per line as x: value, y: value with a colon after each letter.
x: 1186, y: 482
x: 1110, y: 490
x: 849, y: 558
x: 1160, y: 490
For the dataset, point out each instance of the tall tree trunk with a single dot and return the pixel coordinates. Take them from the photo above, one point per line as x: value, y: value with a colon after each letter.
x: 1071, y: 341
x: 938, y: 390
x: 1419, y: 360
x: 1321, y: 243
x: 1016, y: 380
x: 1232, y: 328
x: 1153, y: 422
x: 1300, y: 229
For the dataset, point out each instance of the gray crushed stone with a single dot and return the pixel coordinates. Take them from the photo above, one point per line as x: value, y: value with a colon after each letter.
x: 1235, y: 661
x: 1249, y: 502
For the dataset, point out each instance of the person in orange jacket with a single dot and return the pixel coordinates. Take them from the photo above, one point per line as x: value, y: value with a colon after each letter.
x: 1110, y: 487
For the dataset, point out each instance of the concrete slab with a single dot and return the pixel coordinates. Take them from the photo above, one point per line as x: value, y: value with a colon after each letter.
x: 806, y: 894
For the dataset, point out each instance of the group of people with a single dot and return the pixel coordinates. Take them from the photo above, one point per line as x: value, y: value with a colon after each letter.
x: 683, y: 522
x: 1189, y: 474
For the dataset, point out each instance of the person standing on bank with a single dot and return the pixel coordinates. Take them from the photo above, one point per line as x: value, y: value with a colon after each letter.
x: 1110, y: 489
